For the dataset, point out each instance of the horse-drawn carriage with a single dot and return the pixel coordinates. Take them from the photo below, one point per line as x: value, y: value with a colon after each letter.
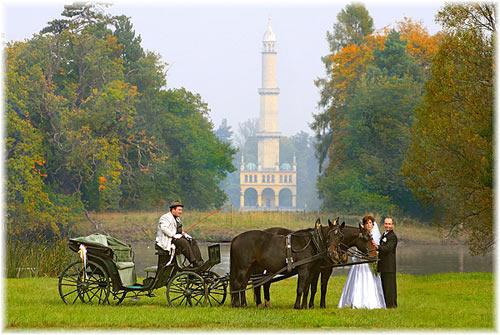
x: 106, y: 275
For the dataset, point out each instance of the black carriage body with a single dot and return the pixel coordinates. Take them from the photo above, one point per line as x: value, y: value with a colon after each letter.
x: 112, y: 261
x: 107, y: 257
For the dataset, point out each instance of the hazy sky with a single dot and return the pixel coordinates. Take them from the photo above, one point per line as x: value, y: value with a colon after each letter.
x: 214, y: 49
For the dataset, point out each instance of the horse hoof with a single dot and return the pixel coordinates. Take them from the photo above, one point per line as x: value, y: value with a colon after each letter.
x: 267, y: 304
x: 260, y: 306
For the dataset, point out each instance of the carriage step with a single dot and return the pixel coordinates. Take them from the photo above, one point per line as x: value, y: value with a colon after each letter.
x: 135, y: 287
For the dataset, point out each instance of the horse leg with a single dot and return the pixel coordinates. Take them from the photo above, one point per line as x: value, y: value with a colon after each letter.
x: 305, y: 293
x: 235, y: 286
x: 314, y: 288
x: 325, y: 276
x: 302, y: 281
x: 243, y: 288
x: 239, y: 280
x: 267, y: 295
x: 256, y: 296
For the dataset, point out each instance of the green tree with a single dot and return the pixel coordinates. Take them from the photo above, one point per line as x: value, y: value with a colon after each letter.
x: 302, y: 146
x: 353, y: 27
x: 199, y: 160
x: 353, y: 24
x: 224, y: 132
x: 450, y: 161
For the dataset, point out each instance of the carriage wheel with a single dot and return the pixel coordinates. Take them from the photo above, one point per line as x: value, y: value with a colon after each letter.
x: 216, y: 288
x: 95, y: 287
x: 91, y: 287
x: 70, y: 283
x: 186, y: 289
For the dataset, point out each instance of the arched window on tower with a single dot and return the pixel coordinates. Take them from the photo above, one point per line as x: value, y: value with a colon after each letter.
x: 246, y: 179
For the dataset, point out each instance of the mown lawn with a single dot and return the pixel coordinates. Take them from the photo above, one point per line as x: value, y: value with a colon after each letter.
x: 462, y: 301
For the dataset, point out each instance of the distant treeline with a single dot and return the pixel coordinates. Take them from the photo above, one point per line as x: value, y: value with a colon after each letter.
x: 406, y: 119
x: 91, y: 126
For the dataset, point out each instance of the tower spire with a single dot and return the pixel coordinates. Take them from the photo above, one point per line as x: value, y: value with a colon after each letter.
x: 269, y: 39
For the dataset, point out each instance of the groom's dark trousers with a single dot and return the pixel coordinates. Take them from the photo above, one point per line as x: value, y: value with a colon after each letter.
x: 387, y: 268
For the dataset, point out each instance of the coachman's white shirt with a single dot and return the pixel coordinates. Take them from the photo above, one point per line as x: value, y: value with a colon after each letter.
x: 167, y: 228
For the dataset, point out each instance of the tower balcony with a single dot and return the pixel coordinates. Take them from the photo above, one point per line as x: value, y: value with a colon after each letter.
x: 267, y: 91
x: 268, y: 134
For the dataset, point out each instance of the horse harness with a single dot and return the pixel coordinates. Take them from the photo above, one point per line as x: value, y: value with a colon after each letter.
x: 318, y: 240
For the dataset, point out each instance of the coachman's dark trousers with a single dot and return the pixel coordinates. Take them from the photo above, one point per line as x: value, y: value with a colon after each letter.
x: 390, y: 289
x: 188, y: 248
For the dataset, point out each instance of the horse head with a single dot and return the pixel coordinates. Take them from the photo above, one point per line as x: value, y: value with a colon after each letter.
x: 363, y: 240
x: 333, y: 239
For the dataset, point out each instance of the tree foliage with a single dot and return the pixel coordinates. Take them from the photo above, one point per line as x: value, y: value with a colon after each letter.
x: 91, y: 126
x: 368, y: 97
x: 353, y: 24
x: 450, y: 161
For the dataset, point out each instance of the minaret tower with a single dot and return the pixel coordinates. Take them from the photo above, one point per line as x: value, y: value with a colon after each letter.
x: 269, y: 144
x: 268, y: 185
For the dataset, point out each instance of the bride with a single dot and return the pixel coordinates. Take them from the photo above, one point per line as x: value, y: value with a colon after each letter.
x: 363, y: 287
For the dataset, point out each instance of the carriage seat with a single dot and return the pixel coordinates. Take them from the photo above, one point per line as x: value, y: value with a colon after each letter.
x: 123, y: 256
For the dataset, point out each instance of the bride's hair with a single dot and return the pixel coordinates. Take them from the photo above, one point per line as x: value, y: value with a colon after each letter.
x: 366, y: 218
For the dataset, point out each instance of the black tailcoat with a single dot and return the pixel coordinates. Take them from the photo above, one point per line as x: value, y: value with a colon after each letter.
x: 387, y: 267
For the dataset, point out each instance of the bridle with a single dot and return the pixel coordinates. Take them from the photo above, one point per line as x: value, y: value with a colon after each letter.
x: 348, y: 251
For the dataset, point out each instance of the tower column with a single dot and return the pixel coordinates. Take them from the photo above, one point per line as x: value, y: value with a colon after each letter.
x: 268, y: 146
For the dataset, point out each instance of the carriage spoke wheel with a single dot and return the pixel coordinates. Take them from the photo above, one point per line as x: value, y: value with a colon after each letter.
x: 91, y: 287
x: 216, y: 288
x: 186, y: 289
x: 95, y: 286
x: 70, y: 284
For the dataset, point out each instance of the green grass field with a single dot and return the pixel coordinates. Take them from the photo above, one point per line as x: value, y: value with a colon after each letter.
x: 461, y: 301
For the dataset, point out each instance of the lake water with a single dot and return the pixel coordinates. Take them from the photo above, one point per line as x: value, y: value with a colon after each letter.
x: 417, y: 259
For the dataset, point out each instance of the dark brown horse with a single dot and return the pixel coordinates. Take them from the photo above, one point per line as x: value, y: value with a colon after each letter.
x: 358, y: 237
x: 257, y: 251
x: 352, y: 236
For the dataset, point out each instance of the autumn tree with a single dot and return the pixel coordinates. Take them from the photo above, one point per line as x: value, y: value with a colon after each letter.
x: 368, y: 100
x: 450, y: 161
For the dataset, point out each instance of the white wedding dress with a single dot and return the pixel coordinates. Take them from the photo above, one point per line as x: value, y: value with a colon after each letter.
x: 363, y: 288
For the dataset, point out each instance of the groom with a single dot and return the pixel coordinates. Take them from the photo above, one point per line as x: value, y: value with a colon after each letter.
x: 387, y: 263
